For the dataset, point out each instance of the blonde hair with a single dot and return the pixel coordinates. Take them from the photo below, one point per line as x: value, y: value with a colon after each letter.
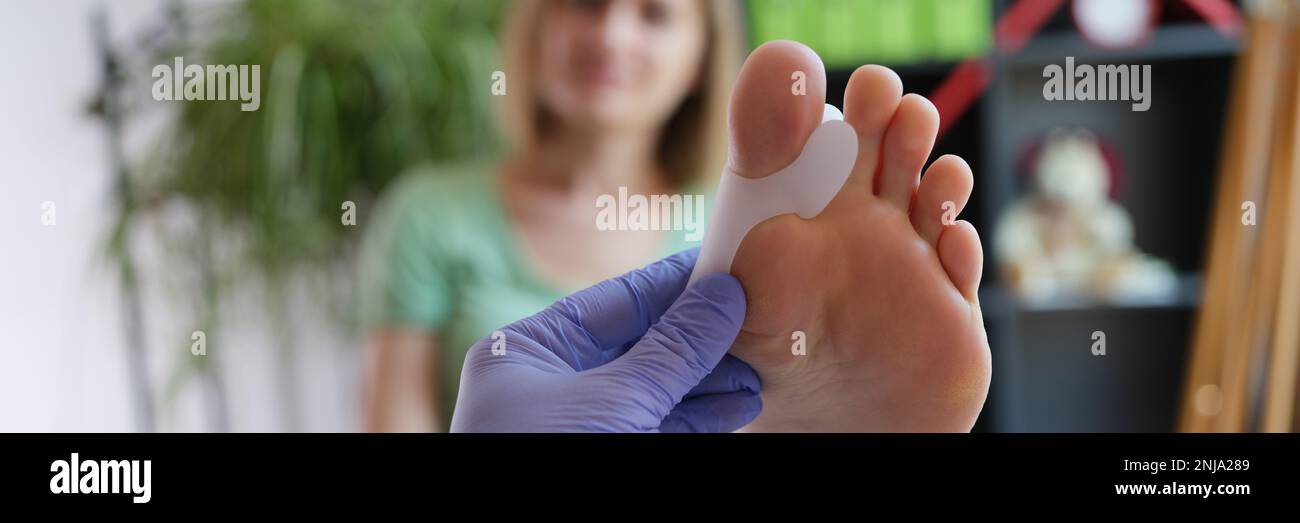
x: 693, y: 143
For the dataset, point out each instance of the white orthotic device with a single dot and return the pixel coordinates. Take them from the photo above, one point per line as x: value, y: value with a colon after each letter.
x: 804, y: 187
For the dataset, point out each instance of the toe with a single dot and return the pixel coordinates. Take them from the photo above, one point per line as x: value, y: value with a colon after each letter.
x: 907, y: 145
x: 943, y: 193
x: 962, y: 257
x: 870, y: 101
x: 775, y: 106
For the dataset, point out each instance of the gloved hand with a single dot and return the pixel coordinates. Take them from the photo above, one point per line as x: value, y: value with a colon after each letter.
x: 627, y: 355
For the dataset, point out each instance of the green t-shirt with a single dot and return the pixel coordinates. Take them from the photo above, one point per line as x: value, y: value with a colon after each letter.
x: 441, y: 256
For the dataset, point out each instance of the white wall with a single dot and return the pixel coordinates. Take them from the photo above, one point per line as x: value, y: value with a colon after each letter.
x: 62, y: 342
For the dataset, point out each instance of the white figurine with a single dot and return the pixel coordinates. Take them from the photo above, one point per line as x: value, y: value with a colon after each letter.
x: 1067, y: 239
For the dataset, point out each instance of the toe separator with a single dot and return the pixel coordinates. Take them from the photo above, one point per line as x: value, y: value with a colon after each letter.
x: 805, y: 187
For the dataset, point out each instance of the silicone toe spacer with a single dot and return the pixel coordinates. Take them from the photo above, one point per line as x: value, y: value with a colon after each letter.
x: 804, y: 187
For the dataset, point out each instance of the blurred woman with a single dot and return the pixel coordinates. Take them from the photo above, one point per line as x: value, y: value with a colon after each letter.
x: 600, y: 95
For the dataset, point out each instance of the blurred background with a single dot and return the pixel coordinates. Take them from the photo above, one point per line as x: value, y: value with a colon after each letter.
x: 194, y: 223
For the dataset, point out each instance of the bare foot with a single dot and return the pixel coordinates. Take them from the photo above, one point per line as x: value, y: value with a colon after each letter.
x: 883, y: 289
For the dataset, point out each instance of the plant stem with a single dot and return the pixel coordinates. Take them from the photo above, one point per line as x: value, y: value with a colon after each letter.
x: 136, y: 362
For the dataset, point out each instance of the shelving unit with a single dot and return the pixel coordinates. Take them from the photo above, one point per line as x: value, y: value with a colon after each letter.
x: 1045, y: 377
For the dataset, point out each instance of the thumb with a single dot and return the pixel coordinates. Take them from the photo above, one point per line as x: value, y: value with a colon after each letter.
x: 685, y: 345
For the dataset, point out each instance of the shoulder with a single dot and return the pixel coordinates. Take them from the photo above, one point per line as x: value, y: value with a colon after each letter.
x: 445, y: 187
x: 415, y: 240
x: 430, y: 196
x: 427, y: 213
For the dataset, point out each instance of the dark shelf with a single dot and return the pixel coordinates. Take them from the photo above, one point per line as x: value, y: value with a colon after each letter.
x: 1170, y: 42
x: 1048, y: 379
x: 998, y: 301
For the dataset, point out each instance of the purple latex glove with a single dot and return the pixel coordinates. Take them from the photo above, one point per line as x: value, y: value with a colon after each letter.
x: 627, y: 355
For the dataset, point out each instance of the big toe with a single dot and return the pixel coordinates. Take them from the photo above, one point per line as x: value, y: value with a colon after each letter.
x: 777, y: 102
